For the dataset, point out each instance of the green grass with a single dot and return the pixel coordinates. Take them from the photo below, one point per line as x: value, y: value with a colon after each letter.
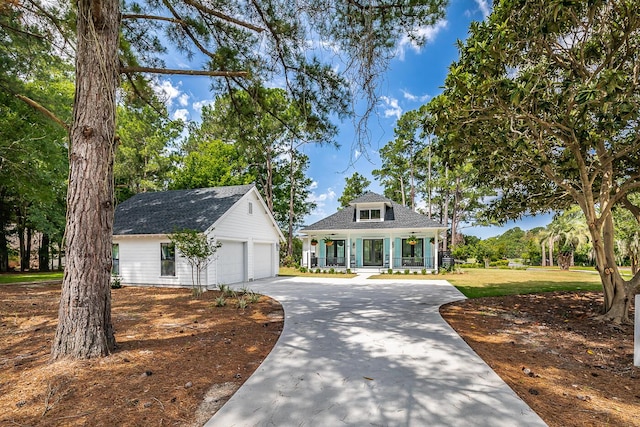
x: 401, y: 276
x: 6, y: 278
x: 294, y: 272
x: 476, y: 283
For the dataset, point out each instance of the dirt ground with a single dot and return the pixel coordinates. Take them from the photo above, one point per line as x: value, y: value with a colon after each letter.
x: 572, y: 370
x: 179, y: 359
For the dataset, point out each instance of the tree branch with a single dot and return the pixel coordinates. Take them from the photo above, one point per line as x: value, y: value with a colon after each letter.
x: 152, y: 70
x: 43, y: 110
x: 222, y: 16
x: 151, y: 17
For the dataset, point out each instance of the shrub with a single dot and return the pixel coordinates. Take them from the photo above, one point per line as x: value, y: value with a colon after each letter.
x: 317, y: 271
x: 254, y: 297
x: 390, y: 271
x: 415, y: 272
x: 348, y: 271
x: 221, y: 301
x: 332, y: 270
x: 406, y: 272
x: 116, y: 282
x: 288, y: 261
x: 303, y: 269
x: 424, y: 271
x: 196, y: 291
x: 242, y: 303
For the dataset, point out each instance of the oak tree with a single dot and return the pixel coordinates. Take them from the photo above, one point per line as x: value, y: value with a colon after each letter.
x: 545, y: 102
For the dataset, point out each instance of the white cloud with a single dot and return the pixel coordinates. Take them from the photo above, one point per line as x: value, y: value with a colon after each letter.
x: 424, y: 34
x: 197, y: 106
x: 181, y: 114
x: 484, y: 6
x: 166, y: 91
x: 391, y: 107
x: 356, y: 154
x: 321, y: 201
x: 413, y: 98
x: 183, y: 99
x: 322, y: 197
x: 314, y: 185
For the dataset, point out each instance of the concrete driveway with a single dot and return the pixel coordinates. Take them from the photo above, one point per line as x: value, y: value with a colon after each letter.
x: 361, y: 352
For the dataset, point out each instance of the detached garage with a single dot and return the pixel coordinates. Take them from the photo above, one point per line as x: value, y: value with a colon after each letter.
x: 236, y: 216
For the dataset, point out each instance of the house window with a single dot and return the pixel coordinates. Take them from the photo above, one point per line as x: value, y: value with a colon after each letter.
x: 370, y: 215
x: 115, y: 256
x: 412, y: 255
x: 167, y: 259
x: 250, y: 208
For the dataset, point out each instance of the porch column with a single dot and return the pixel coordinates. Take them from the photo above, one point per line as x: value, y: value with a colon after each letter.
x: 347, y: 252
x: 436, y: 252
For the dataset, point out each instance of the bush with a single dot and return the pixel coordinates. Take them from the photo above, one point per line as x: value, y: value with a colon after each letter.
x: 348, y: 271
x: 406, y: 272
x: 499, y: 263
x: 332, y: 270
x: 472, y: 265
x: 317, y: 271
x: 288, y: 261
x: 116, y: 282
x: 424, y: 271
x: 303, y: 269
x: 390, y: 271
x: 221, y: 301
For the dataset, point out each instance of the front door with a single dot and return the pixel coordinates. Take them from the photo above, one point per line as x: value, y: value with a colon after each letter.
x: 372, y: 252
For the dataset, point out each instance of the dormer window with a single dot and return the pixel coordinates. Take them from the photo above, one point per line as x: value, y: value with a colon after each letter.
x: 369, y: 215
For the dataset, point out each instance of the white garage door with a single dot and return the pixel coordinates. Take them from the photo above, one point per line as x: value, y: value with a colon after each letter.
x: 231, y: 262
x: 263, y: 260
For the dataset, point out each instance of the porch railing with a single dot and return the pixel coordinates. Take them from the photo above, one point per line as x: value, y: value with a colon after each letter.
x: 413, y: 262
x: 328, y: 262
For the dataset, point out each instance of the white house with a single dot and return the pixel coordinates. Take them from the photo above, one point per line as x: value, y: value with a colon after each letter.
x: 373, y: 233
x: 236, y: 216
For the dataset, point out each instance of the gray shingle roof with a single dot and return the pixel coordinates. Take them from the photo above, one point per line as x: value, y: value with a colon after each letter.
x: 395, y: 216
x: 370, y: 197
x: 164, y: 212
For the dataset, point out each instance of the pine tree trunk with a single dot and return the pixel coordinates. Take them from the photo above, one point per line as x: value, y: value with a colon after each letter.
x: 84, y: 319
x: 43, y: 253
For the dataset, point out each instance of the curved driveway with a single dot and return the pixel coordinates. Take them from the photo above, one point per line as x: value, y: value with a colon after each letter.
x: 359, y: 352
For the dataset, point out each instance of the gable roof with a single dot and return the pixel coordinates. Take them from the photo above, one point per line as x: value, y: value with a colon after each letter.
x: 164, y: 212
x: 395, y: 216
x: 371, y: 197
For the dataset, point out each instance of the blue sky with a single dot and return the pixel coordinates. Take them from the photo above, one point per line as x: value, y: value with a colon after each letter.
x: 414, y: 77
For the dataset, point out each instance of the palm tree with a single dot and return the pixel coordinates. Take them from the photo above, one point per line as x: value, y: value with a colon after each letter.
x: 569, y: 230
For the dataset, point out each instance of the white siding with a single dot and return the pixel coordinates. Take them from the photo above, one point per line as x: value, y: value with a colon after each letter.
x: 140, y: 262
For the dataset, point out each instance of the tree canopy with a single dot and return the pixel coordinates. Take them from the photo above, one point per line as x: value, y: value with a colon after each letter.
x: 545, y: 101
x: 354, y: 186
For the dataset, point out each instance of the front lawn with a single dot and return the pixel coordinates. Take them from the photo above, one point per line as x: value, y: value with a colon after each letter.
x: 475, y: 283
x: 6, y: 278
